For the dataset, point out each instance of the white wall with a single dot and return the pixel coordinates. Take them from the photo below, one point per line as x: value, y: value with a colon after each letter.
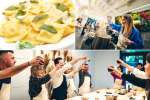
x: 101, y: 77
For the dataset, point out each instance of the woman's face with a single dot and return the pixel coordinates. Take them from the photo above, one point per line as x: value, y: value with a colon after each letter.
x: 124, y: 21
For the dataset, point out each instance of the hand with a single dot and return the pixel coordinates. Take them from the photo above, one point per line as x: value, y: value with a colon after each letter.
x: 128, y: 42
x: 84, y: 58
x: 46, y: 59
x: 120, y: 62
x: 36, y: 61
x: 111, y: 68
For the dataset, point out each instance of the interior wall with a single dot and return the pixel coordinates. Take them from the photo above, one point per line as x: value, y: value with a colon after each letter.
x: 103, y: 59
x: 19, y: 83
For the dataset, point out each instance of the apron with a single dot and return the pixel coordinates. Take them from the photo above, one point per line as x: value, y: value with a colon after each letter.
x: 71, y: 91
x: 85, y: 87
x: 60, y: 93
x: 117, y: 84
x: 5, y: 89
x: 43, y: 94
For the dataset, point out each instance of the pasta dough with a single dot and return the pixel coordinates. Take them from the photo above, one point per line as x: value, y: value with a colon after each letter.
x: 38, y: 22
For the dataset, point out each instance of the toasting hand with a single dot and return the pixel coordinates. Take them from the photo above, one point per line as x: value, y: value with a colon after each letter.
x: 120, y: 62
x: 111, y: 68
x: 36, y: 61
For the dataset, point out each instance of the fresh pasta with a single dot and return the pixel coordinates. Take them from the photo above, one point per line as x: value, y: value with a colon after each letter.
x: 38, y: 21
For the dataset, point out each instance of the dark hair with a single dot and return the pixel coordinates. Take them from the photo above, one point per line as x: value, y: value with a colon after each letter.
x: 140, y: 64
x: 5, y: 51
x: 78, y: 19
x: 85, y: 64
x: 148, y: 57
x: 56, y: 60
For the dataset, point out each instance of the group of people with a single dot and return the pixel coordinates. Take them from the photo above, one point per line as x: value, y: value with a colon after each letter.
x: 51, y: 78
x: 108, y: 35
x: 135, y: 75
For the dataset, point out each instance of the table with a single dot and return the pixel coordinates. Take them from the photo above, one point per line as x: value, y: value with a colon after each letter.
x: 111, y: 95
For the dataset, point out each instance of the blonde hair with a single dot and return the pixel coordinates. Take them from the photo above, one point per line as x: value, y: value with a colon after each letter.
x: 101, y: 32
x: 128, y: 27
x: 36, y: 68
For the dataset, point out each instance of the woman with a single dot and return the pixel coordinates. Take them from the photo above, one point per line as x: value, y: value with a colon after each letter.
x: 37, y: 83
x: 116, y: 77
x: 130, y: 37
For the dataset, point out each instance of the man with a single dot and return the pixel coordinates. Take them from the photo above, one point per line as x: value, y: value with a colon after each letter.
x: 8, y: 69
x: 144, y: 83
x: 59, y: 83
x: 139, y: 66
x: 84, y: 79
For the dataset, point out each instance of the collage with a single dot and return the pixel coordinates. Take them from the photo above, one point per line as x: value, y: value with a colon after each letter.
x: 75, y: 50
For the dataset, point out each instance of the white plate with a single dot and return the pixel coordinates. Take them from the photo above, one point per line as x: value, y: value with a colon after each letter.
x: 64, y: 43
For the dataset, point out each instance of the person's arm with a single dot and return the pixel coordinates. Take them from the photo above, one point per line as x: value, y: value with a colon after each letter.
x: 16, y: 69
x: 13, y: 70
x: 70, y: 64
x: 73, y: 62
x: 131, y: 78
x: 122, y: 63
x: 116, y: 27
x: 45, y: 79
x: 134, y: 80
x: 135, y: 71
x: 73, y: 72
x: 139, y: 73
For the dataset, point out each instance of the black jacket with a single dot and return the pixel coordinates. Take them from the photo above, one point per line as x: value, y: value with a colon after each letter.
x: 6, y: 81
x: 144, y: 83
x: 81, y: 78
x: 35, y: 85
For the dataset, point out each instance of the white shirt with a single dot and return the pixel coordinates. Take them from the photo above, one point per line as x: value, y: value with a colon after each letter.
x: 5, y: 92
x: 57, y: 75
x: 71, y: 88
x: 139, y: 73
